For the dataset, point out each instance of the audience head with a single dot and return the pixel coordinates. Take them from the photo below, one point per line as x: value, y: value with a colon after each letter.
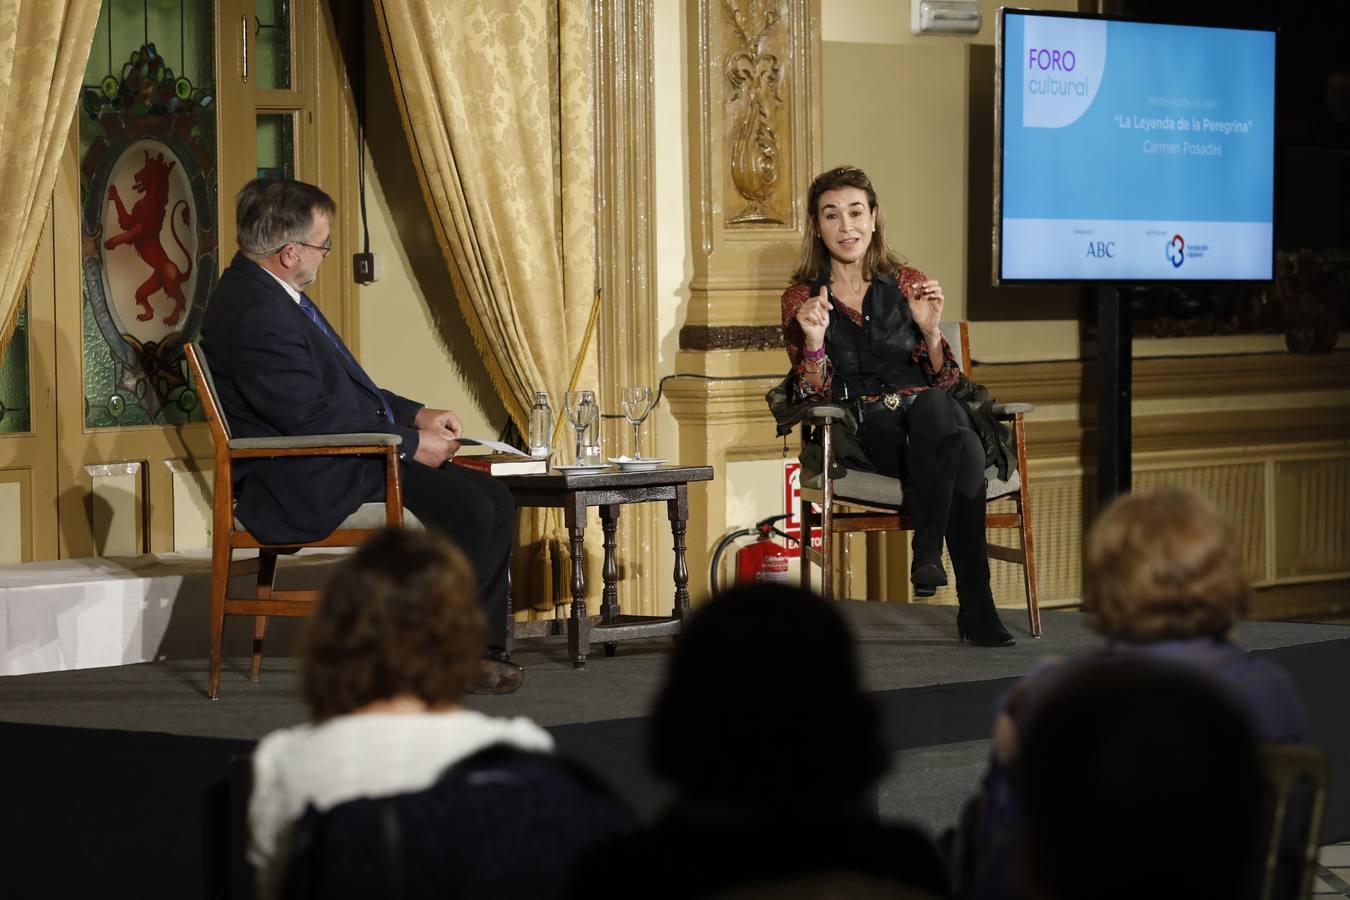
x: 273, y: 212
x: 763, y: 709
x: 1137, y: 779
x: 814, y: 260
x: 1163, y: 565
x: 399, y: 618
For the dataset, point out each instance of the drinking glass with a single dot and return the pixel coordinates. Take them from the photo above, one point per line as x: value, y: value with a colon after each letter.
x: 637, y: 403
x: 581, y: 412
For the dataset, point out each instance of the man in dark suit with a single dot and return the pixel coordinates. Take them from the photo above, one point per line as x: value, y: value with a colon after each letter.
x: 280, y: 369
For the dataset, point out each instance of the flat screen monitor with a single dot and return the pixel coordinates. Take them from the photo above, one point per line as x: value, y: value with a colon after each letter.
x: 1132, y: 151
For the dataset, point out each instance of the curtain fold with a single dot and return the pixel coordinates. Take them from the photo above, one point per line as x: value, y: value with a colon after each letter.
x: 44, y: 46
x: 497, y: 102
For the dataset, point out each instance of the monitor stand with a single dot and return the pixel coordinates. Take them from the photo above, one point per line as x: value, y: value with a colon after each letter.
x: 1113, y: 394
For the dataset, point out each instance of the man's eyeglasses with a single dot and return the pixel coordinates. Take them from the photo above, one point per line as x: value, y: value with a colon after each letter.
x: 323, y: 249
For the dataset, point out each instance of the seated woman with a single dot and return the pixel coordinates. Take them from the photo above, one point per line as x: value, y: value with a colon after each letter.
x: 393, y: 645
x: 1163, y: 581
x: 862, y: 329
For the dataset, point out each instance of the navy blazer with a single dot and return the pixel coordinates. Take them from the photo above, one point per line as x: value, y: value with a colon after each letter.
x: 276, y: 374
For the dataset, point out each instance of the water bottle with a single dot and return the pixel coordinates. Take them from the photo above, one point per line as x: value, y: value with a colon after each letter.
x: 541, y: 426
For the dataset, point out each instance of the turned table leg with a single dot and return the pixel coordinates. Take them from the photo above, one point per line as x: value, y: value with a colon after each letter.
x: 579, y: 627
x: 679, y: 515
x: 609, y: 604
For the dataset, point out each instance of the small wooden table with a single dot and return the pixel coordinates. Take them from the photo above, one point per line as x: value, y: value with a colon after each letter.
x: 609, y: 489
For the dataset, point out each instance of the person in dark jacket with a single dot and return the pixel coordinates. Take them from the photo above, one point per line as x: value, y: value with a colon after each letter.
x: 862, y: 329
x: 1163, y: 582
x: 281, y: 369
x: 774, y: 779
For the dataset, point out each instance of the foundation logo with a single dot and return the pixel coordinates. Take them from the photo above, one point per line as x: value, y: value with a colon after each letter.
x: 1062, y: 64
x: 1176, y: 251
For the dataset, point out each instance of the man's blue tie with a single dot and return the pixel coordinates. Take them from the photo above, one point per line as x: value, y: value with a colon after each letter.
x: 309, y: 309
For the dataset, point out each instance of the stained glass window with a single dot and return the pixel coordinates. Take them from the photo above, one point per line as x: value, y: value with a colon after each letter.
x: 15, y: 417
x: 276, y: 145
x: 273, y: 44
x: 148, y: 207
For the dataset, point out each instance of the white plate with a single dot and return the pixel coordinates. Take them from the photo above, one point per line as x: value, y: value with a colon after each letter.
x: 645, y: 464
x: 581, y: 467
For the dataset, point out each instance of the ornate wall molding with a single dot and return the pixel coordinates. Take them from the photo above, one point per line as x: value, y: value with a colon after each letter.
x: 732, y: 337
x: 755, y: 142
x: 755, y: 36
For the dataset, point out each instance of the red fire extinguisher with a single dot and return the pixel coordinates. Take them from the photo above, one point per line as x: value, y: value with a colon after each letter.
x: 764, y: 560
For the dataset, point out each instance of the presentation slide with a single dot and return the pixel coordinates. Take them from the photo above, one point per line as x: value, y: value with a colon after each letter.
x: 1136, y: 151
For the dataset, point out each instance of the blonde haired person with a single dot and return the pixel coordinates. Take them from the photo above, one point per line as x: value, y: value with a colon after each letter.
x: 1162, y: 582
x: 1163, y: 566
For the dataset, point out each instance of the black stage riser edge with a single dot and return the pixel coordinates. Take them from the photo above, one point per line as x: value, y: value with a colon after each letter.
x: 93, y: 812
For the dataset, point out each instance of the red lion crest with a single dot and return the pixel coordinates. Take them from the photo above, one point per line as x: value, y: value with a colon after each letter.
x: 141, y: 228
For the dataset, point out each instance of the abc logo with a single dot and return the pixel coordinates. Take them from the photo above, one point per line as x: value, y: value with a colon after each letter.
x: 1102, y: 249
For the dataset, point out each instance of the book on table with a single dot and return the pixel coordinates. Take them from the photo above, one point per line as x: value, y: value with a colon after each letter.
x: 503, y: 463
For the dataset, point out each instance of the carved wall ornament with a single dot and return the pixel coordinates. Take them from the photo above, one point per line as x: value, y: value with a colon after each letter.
x: 753, y: 77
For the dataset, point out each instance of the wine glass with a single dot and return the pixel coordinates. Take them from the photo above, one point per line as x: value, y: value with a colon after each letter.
x: 637, y: 403
x: 581, y: 412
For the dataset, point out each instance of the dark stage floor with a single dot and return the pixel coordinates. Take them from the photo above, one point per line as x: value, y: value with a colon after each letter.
x: 144, y: 740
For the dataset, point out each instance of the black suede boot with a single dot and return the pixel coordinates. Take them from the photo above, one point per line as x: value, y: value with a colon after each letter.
x: 977, y: 620
x: 928, y: 494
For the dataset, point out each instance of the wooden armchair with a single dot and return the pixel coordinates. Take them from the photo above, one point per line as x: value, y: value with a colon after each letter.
x: 229, y: 534
x: 1296, y: 785
x: 865, y: 501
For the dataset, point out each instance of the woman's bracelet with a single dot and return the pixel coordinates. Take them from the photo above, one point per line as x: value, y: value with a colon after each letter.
x: 818, y: 353
x: 812, y: 366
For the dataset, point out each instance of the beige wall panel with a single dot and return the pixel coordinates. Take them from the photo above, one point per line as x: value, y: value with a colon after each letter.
x: 118, y: 505
x: 14, y: 488
x: 1239, y: 492
x: 899, y: 113
x: 191, y: 505
x: 1312, y: 517
x: 408, y: 314
x: 887, y: 22
x: 1057, y: 519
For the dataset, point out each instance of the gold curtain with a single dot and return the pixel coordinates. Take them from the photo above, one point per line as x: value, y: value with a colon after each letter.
x: 44, y: 45
x: 496, y: 99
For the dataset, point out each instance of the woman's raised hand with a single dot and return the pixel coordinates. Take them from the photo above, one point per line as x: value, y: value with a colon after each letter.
x: 925, y: 305
x: 814, y: 317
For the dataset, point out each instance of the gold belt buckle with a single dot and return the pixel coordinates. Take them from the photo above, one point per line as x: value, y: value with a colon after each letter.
x: 891, y: 401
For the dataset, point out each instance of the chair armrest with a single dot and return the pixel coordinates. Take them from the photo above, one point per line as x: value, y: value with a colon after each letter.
x: 817, y: 415
x: 316, y: 441
x: 1010, y: 410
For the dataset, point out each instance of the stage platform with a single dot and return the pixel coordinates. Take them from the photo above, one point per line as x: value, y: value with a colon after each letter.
x: 120, y: 775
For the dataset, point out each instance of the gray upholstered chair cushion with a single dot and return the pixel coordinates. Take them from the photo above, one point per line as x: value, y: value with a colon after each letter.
x: 367, y: 515
x: 1008, y: 410
x: 290, y: 442
x: 882, y: 490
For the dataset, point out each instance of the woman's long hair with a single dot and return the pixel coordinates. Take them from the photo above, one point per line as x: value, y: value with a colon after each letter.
x: 814, y: 261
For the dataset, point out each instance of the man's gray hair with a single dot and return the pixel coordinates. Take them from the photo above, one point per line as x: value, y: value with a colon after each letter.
x: 273, y: 212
